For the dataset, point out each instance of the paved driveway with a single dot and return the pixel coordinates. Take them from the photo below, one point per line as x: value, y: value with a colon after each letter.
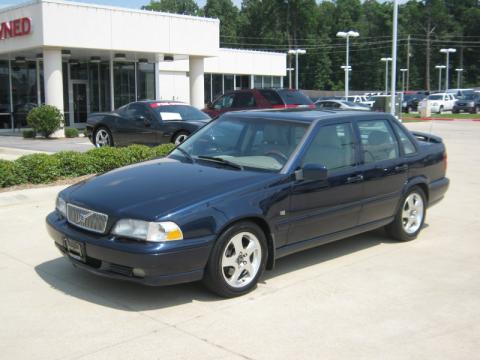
x: 365, y: 297
x: 44, y: 145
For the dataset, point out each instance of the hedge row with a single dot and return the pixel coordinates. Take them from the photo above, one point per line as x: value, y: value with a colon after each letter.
x: 44, y: 168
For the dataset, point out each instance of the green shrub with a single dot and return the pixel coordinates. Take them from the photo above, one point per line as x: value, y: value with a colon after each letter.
x: 10, y: 174
x: 45, y: 119
x: 163, y: 150
x: 29, y: 134
x: 71, y: 132
x: 44, y: 168
x: 39, y: 168
x: 73, y: 163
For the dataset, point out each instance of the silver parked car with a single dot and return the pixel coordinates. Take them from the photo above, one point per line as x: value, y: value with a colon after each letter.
x: 340, y: 105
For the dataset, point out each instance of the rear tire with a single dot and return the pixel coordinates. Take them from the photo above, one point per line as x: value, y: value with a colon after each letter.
x: 180, y: 137
x: 102, y: 137
x: 237, y: 260
x: 410, y: 216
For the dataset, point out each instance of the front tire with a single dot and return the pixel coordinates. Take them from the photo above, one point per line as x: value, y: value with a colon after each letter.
x: 237, y: 260
x: 440, y: 110
x: 410, y: 217
x: 102, y: 137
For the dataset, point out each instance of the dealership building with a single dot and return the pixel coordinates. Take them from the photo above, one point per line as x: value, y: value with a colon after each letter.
x: 86, y: 58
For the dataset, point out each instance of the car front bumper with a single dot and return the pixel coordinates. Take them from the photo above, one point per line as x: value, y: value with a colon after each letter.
x: 109, y: 258
x: 465, y: 108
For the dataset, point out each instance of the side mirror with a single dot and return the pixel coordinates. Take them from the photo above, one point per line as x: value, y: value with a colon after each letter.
x: 209, y: 105
x: 312, y: 172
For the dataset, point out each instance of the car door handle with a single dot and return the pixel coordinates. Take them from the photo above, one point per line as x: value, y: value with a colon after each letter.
x: 354, y: 179
x: 403, y: 167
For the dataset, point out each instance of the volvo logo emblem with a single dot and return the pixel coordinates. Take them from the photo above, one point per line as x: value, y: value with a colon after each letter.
x: 82, y: 218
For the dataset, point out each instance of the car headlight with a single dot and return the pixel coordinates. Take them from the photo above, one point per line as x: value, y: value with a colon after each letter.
x: 61, y: 206
x: 148, y: 231
x: 404, y: 103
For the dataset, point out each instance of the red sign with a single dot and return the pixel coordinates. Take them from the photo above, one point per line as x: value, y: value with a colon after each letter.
x: 14, y: 28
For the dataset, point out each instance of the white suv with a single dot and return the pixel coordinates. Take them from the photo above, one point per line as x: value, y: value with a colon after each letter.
x: 439, y: 102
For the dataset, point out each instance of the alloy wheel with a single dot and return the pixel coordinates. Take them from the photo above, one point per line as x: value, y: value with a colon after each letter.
x: 412, y: 213
x: 102, y: 138
x: 180, y: 139
x: 241, y: 259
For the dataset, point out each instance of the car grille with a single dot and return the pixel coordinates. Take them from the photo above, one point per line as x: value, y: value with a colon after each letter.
x: 86, y: 219
x: 461, y: 104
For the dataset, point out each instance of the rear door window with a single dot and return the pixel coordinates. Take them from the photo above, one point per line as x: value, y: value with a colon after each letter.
x: 378, y: 141
x: 244, y: 99
x: 406, y: 143
x: 294, y: 97
x: 272, y: 97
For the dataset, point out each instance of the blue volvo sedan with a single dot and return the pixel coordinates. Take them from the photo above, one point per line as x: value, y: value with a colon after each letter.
x: 247, y: 189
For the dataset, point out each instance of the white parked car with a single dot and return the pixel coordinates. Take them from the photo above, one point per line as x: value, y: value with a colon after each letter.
x: 361, y: 99
x: 439, y: 102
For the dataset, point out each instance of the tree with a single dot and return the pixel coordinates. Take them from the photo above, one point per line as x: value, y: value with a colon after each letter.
x: 185, y: 7
x: 227, y: 13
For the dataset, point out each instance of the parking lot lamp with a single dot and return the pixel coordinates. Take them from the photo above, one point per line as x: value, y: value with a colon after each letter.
x: 440, y: 67
x: 297, y: 52
x: 459, y: 72
x: 290, y: 69
x: 403, y: 71
x: 447, y: 52
x: 386, y: 60
x: 347, y: 35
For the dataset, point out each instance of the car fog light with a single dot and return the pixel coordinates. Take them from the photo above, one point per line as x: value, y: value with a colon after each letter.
x: 137, y: 272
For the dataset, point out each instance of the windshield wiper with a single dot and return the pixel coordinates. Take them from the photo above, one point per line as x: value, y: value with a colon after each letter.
x: 186, y: 154
x: 221, y: 161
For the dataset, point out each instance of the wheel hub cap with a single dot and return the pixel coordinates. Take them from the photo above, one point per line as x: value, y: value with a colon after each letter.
x: 413, y: 212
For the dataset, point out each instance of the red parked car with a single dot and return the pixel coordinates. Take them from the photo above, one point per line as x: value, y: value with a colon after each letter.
x: 258, y: 99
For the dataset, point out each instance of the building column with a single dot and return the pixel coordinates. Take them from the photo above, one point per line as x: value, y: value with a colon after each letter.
x: 157, y: 80
x: 52, y: 73
x: 197, y: 89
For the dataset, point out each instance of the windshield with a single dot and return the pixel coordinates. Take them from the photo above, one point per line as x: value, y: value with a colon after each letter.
x: 435, y: 97
x: 178, y: 112
x: 469, y: 96
x: 260, y: 144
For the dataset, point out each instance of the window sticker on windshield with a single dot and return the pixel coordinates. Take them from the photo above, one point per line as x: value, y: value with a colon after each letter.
x: 170, y: 116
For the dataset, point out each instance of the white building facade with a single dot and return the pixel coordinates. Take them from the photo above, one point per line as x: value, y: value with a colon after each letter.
x: 86, y: 58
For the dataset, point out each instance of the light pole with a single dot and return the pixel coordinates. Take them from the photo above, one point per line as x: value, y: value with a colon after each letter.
x: 386, y: 60
x: 459, y: 72
x: 393, y: 87
x: 347, y: 35
x: 403, y: 78
x: 447, y: 52
x: 297, y: 52
x: 290, y: 69
x: 440, y: 67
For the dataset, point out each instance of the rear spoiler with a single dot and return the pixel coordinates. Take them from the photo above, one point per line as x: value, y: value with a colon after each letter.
x: 427, y: 137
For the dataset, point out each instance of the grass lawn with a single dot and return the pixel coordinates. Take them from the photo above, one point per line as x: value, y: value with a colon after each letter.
x: 442, y: 116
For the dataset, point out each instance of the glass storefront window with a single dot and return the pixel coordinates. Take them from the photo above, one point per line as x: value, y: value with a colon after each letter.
x: 79, y: 71
x: 24, y: 90
x: 94, y: 86
x: 124, y: 83
x: 257, y: 82
x: 228, y: 82
x: 207, y: 86
x: 145, y: 81
x: 5, y: 122
x: 105, y: 86
x: 276, y: 81
x: 242, y: 81
x: 217, y: 88
x: 267, y: 81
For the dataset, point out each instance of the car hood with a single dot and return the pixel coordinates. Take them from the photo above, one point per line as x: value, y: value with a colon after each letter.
x: 154, y: 189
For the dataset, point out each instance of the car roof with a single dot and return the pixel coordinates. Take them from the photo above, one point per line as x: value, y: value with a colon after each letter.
x: 303, y: 115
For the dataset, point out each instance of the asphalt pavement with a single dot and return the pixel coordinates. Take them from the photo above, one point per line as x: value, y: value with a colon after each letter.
x: 365, y: 297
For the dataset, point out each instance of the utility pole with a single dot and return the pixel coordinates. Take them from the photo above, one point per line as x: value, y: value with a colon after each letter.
x: 429, y: 31
x: 408, y: 63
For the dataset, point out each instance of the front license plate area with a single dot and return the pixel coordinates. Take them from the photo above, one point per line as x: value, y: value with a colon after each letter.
x: 75, y: 249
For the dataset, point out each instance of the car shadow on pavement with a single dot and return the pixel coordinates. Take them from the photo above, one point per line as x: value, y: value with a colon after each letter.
x: 61, y: 275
